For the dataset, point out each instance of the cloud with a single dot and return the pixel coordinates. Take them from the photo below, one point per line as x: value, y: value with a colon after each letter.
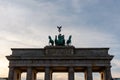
x: 91, y: 37
x: 3, y: 67
x: 27, y: 23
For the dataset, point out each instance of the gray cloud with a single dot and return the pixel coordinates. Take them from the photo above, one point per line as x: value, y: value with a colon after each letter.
x: 27, y: 23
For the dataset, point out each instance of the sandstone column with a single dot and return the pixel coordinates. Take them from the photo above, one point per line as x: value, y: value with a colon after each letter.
x: 11, y: 73
x: 88, y: 73
x: 34, y: 72
x: 29, y: 73
x: 48, y: 73
x: 102, y: 75
x: 108, y: 73
x: 71, y: 73
x: 17, y: 74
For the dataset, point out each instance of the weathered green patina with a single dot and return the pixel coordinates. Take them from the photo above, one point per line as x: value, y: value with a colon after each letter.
x: 60, y: 39
x: 69, y: 40
x: 50, y: 40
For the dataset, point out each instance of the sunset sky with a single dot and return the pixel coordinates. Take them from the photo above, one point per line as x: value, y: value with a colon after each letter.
x: 28, y: 23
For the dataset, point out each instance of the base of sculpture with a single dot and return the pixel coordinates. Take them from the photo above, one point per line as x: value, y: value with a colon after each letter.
x: 59, y: 50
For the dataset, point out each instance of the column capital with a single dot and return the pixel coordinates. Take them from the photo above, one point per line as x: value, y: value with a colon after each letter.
x: 29, y: 67
x: 89, y: 67
x: 47, y: 67
x: 71, y: 69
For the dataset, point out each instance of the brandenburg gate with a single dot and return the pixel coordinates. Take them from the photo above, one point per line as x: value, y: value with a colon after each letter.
x: 59, y: 56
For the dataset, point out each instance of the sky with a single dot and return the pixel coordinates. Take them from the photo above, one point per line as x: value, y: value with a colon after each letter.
x: 28, y: 23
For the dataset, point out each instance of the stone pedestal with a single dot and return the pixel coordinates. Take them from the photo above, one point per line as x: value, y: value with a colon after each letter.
x: 59, y: 50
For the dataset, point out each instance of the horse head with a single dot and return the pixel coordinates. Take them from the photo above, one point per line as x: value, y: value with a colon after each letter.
x: 49, y: 37
x: 70, y: 37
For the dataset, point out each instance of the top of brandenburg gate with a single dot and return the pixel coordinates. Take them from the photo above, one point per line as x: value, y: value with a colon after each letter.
x: 59, y: 56
x: 62, y: 48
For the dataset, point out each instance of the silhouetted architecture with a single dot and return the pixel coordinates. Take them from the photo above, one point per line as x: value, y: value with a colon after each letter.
x: 64, y: 58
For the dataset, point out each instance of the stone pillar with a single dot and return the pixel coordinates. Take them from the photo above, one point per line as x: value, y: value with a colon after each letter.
x: 108, y: 73
x: 103, y: 75
x: 11, y: 73
x: 29, y: 73
x: 48, y: 73
x: 17, y: 74
x: 34, y: 72
x: 71, y: 73
x: 88, y: 73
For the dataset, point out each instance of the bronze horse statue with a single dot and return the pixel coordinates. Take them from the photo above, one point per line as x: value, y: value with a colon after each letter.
x: 59, y: 41
x: 50, y: 40
x: 69, y: 40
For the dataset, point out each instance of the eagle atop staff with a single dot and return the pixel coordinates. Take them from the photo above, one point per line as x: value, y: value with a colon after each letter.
x: 59, y: 28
